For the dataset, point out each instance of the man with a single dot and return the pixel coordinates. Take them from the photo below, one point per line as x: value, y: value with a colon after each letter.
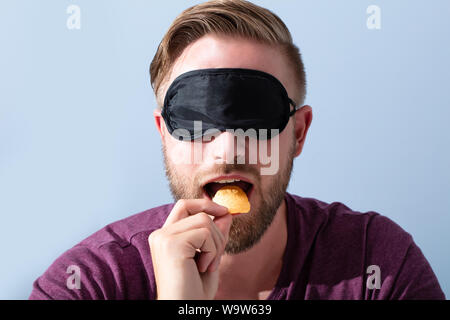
x: 227, y: 65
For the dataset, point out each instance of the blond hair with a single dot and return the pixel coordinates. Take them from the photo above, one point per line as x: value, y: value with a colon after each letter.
x: 236, y: 18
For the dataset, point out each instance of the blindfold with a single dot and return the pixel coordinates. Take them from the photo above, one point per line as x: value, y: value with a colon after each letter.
x: 226, y: 98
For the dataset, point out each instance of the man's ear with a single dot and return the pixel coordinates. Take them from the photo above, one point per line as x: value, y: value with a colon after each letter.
x: 303, y: 118
x: 159, y: 121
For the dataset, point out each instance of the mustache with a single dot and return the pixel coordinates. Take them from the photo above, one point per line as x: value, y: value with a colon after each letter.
x: 225, y: 168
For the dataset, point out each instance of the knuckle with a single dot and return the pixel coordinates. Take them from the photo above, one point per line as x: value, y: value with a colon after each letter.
x: 206, y: 232
x: 153, y: 237
x: 204, y: 219
x: 159, y: 238
x: 182, y: 203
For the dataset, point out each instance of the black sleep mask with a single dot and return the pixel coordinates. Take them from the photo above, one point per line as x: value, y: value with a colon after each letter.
x: 226, y: 98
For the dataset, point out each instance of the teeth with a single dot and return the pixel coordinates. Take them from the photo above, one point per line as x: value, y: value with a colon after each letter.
x: 227, y: 181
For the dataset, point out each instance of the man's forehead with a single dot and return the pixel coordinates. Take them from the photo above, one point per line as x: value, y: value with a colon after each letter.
x: 226, y: 52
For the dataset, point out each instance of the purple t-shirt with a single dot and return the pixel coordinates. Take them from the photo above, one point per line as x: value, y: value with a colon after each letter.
x: 332, y: 252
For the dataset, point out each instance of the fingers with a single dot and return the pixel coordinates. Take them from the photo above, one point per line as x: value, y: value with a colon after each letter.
x: 200, y: 209
x: 177, y: 275
x: 188, y: 246
x: 223, y: 223
x: 186, y: 207
x: 202, y: 239
x: 198, y: 221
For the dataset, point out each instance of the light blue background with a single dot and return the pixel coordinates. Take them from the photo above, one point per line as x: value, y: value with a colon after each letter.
x: 79, y: 149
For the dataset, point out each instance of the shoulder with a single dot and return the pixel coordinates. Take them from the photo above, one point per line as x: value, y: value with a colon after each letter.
x: 123, y: 231
x: 339, y: 226
x: 336, y: 216
x: 345, y: 245
x: 113, y: 263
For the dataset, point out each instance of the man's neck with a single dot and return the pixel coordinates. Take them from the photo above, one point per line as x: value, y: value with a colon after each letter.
x: 244, y: 275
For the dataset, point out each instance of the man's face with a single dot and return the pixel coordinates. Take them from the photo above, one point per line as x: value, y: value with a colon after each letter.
x: 189, y: 179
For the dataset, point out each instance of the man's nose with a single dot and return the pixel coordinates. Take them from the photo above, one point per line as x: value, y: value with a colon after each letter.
x: 224, y: 148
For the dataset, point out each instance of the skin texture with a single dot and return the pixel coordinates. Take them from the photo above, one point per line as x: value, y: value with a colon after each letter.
x: 241, y: 255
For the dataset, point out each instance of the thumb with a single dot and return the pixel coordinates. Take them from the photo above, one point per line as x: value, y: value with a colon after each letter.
x: 224, y: 224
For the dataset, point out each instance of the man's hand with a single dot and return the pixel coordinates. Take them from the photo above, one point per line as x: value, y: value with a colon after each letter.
x: 186, y: 251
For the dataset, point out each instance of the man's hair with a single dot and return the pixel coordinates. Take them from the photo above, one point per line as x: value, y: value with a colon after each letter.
x: 235, y: 18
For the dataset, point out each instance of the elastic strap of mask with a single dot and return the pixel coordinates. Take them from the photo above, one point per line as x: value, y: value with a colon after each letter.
x: 295, y: 107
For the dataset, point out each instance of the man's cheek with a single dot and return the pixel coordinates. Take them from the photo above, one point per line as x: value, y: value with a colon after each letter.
x: 180, y: 153
x: 269, y: 154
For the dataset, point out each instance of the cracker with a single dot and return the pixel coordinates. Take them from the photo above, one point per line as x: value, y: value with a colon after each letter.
x: 234, y: 198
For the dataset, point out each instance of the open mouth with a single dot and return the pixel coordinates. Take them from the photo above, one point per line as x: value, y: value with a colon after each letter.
x: 212, y: 187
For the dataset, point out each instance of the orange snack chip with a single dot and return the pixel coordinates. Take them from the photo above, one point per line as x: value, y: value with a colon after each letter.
x: 234, y: 198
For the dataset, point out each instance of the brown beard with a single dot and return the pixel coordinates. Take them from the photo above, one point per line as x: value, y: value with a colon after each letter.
x: 246, y: 229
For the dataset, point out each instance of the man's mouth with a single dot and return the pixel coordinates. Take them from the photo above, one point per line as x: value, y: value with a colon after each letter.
x: 211, y: 187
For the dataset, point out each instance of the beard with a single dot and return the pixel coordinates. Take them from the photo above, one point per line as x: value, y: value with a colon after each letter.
x: 246, y: 229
